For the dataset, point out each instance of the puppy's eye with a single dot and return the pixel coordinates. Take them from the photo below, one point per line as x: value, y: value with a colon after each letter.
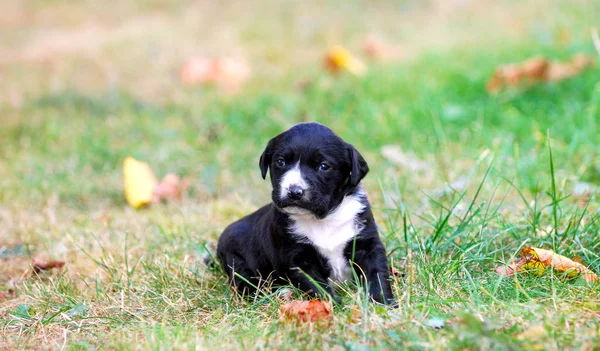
x: 324, y: 167
x: 280, y: 162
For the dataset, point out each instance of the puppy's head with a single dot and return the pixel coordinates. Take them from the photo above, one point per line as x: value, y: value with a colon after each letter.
x: 311, y: 169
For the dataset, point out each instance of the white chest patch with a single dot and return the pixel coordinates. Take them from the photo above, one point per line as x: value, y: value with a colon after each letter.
x: 331, y: 234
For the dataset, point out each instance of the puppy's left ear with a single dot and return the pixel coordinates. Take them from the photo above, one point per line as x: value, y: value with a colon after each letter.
x: 265, y: 159
x: 358, y: 166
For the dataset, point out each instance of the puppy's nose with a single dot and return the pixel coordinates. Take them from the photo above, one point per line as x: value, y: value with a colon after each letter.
x: 295, y: 192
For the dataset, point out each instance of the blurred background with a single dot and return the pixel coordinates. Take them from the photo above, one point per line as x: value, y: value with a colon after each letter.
x: 199, y: 87
x: 479, y: 120
x: 139, y: 46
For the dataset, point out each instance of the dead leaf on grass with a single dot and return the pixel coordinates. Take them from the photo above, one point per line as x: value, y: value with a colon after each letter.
x: 142, y: 188
x: 39, y: 265
x: 375, y: 48
x: 306, y: 311
x: 171, y: 187
x: 537, y: 260
x: 228, y: 73
x: 536, y: 70
x: 338, y: 59
x: 140, y: 182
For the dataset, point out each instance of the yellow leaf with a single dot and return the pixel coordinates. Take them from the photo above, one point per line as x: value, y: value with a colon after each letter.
x: 338, y: 58
x: 561, y: 264
x: 534, y: 267
x: 140, y: 182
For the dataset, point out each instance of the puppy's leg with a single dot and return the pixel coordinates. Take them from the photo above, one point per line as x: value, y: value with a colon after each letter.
x: 370, y: 265
x: 240, y: 275
x: 312, y: 282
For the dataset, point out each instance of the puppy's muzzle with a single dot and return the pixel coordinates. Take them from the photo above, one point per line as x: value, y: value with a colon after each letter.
x: 295, y: 192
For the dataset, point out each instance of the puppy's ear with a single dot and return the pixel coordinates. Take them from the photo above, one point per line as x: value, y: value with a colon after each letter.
x: 358, y: 166
x: 265, y: 159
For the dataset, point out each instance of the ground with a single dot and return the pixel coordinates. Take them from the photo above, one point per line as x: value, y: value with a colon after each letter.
x: 477, y: 176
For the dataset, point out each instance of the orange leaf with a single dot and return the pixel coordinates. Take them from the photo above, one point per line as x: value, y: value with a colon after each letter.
x: 228, y: 73
x: 375, y: 48
x: 536, y: 260
x: 535, y: 70
x: 306, y: 311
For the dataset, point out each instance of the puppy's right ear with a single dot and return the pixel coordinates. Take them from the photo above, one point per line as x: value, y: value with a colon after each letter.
x: 265, y: 159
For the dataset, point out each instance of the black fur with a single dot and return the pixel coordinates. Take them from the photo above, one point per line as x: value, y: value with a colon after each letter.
x: 261, y: 245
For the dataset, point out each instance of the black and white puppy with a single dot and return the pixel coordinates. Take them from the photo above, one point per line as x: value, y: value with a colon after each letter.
x: 319, y: 228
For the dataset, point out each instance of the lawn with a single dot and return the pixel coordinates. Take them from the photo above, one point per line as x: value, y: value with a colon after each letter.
x: 486, y: 176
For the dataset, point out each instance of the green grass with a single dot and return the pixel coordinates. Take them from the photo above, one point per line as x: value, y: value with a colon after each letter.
x: 135, y: 279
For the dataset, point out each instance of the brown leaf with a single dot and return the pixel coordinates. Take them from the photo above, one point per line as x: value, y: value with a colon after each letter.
x: 306, y: 311
x: 197, y: 70
x: 171, y: 187
x: 536, y: 70
x: 39, y: 266
x: 377, y: 49
x: 227, y: 73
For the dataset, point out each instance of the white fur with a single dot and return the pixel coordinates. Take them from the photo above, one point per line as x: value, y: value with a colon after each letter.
x: 292, y: 177
x: 331, y: 234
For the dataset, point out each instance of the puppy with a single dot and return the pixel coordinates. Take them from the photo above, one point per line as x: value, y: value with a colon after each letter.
x: 318, y: 230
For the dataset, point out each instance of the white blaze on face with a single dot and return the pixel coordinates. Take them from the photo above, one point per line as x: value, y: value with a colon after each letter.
x: 292, y: 177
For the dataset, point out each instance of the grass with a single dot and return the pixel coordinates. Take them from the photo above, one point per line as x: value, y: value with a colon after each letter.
x: 499, y: 176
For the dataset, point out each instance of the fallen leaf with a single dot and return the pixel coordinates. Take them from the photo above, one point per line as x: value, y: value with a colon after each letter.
x: 537, y: 260
x: 39, y: 266
x: 168, y: 187
x: 140, y: 182
x: 142, y: 188
x: 377, y: 49
x: 306, y: 311
x: 228, y: 73
x: 507, y: 271
x: 197, y: 70
x: 536, y: 70
x: 339, y: 59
